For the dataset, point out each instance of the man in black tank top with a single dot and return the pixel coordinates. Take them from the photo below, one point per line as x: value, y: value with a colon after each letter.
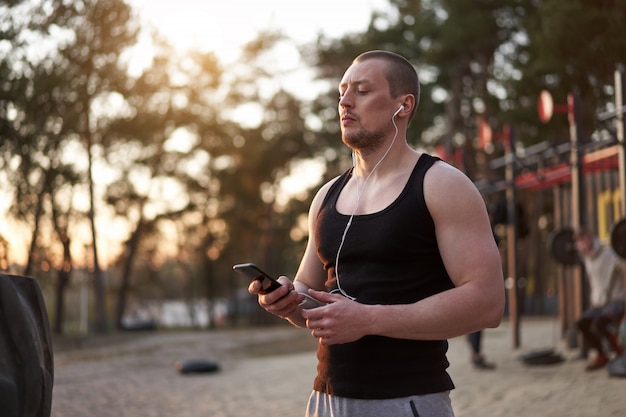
x: 400, y: 255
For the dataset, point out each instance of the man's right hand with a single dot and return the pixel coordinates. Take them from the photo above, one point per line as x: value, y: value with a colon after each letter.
x: 282, y: 302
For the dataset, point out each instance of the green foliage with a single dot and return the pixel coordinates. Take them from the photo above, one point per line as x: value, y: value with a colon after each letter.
x: 570, y: 47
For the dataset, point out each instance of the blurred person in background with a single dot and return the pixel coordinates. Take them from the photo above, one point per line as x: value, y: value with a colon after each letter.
x: 598, y: 323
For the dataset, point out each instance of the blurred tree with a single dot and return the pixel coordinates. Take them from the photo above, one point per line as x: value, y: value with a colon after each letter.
x: 189, y: 174
x: 245, y: 219
x: 49, y: 103
x: 33, y: 147
x: 102, y: 29
x: 572, y: 47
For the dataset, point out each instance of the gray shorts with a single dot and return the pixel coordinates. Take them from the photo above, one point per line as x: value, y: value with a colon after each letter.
x: 431, y: 405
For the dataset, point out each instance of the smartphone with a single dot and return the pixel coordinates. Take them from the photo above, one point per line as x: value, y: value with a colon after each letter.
x: 269, y: 283
x: 253, y: 272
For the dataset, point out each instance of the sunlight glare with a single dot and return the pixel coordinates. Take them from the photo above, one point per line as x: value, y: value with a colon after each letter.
x: 198, y: 24
x: 303, y: 175
x: 181, y: 140
x: 224, y: 26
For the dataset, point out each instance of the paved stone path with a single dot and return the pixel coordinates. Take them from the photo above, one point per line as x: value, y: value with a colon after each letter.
x: 261, y: 377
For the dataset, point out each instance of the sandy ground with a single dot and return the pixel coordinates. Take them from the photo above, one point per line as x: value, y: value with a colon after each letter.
x: 269, y: 372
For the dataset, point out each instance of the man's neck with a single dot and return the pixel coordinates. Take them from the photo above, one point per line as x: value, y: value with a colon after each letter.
x: 380, y: 162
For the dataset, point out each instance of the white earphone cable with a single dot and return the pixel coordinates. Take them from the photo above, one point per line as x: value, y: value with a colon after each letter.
x: 356, y: 207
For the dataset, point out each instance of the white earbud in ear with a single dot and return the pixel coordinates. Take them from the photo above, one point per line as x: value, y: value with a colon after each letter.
x: 398, y: 111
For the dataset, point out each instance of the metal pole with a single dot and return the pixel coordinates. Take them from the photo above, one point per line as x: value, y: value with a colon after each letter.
x: 575, y: 161
x: 620, y: 140
x: 573, y: 103
x: 511, y: 282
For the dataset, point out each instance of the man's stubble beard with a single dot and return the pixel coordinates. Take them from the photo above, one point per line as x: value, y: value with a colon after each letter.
x: 364, y: 141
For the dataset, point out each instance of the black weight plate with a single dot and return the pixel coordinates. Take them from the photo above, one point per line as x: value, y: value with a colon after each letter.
x: 542, y: 357
x: 618, y: 238
x: 196, y: 366
x: 562, y: 246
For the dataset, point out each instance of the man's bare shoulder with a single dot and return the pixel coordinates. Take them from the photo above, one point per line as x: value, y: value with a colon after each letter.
x: 445, y: 185
x: 321, y: 194
x: 444, y: 174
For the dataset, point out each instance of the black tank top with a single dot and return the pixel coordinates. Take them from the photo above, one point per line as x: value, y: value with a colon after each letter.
x: 388, y: 257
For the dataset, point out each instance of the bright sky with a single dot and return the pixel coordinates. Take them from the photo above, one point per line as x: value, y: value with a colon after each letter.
x: 223, y: 26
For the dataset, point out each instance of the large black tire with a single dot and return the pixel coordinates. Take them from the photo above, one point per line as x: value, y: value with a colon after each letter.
x: 26, y: 357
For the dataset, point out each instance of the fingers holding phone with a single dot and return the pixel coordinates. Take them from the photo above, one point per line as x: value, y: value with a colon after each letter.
x: 267, y: 283
x: 281, y: 301
x: 280, y: 295
x: 277, y: 295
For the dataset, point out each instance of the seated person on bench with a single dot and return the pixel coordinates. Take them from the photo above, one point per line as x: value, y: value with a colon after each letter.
x: 605, y: 273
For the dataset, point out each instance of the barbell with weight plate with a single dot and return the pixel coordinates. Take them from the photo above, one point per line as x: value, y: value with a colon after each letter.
x: 562, y: 246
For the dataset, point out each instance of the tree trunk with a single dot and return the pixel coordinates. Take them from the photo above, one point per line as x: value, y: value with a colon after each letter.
x: 28, y: 269
x: 131, y: 248
x: 63, y: 280
x: 98, y: 282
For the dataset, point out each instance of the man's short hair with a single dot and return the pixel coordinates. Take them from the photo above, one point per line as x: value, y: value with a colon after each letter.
x: 401, y: 74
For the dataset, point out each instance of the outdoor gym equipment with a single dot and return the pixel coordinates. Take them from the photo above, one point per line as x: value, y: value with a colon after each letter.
x: 562, y: 246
